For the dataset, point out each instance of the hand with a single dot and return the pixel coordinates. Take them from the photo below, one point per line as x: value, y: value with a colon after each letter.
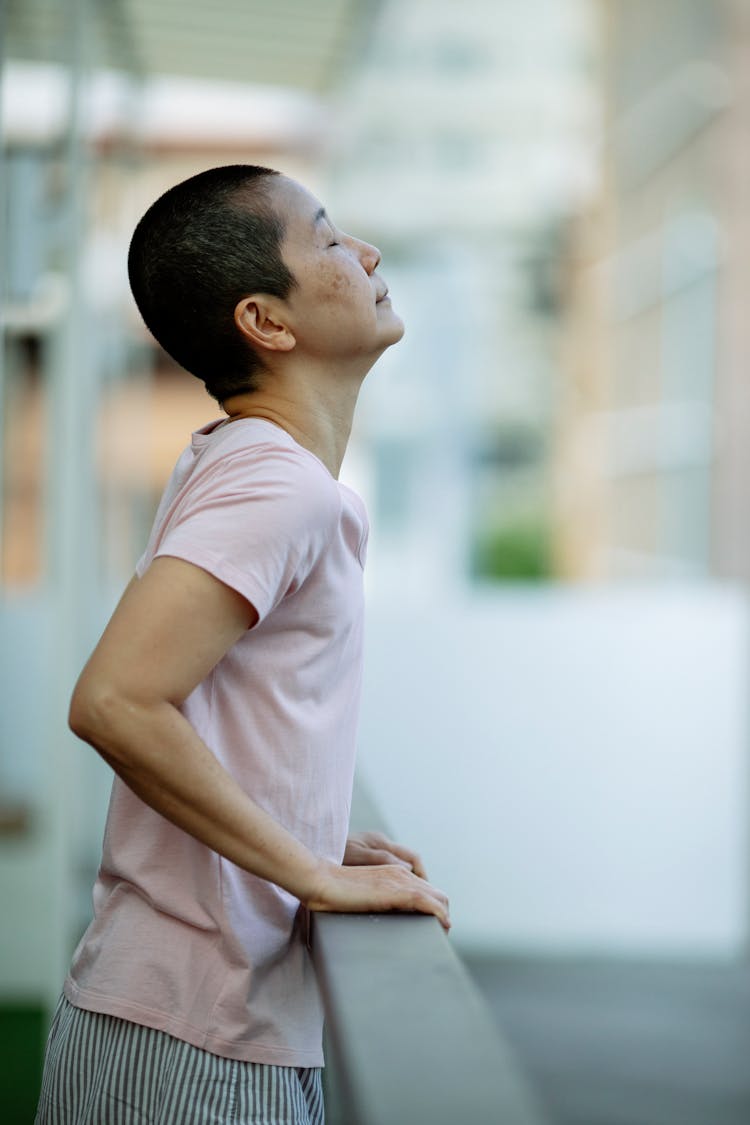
x: 375, y: 889
x: 370, y: 848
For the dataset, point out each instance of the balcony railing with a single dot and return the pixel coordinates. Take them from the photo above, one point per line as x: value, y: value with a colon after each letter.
x: 409, y: 1040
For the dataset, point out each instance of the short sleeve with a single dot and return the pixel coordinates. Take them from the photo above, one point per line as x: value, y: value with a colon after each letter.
x: 257, y: 519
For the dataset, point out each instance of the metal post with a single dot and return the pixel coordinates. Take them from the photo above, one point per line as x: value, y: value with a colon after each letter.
x: 3, y: 282
x: 71, y: 563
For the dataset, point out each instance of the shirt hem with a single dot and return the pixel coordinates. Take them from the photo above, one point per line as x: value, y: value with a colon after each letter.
x: 220, y: 569
x: 179, y: 1029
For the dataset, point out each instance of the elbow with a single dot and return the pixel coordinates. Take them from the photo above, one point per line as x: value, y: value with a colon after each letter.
x: 92, y: 712
x: 112, y: 720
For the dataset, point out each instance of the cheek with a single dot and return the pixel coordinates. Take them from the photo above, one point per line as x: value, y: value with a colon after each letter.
x: 341, y: 283
x: 337, y: 288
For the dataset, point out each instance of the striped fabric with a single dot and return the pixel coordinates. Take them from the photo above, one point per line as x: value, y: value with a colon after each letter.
x: 100, y: 1070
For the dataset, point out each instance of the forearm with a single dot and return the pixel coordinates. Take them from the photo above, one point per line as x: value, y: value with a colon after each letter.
x: 169, y: 631
x: 158, y: 754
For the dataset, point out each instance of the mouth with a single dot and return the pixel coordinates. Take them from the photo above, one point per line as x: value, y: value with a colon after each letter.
x: 383, y: 297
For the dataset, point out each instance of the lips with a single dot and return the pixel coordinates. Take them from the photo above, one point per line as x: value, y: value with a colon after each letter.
x: 381, y: 297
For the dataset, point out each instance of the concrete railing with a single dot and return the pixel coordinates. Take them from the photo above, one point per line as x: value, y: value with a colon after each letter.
x: 409, y: 1040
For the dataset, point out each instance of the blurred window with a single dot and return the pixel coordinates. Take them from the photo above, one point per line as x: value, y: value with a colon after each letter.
x: 24, y: 468
x: 460, y: 152
x: 458, y: 56
x: 645, y: 55
x: 394, y: 467
x: 30, y: 299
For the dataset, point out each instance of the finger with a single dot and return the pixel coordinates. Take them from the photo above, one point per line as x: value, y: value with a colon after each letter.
x: 380, y: 887
x: 427, y: 899
x: 418, y: 868
x: 383, y: 856
x: 404, y: 890
x: 410, y: 857
x: 435, y: 903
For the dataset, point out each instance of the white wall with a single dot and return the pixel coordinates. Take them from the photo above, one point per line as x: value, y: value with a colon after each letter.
x: 571, y: 764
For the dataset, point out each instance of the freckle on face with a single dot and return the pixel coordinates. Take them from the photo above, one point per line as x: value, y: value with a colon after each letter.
x: 338, y: 286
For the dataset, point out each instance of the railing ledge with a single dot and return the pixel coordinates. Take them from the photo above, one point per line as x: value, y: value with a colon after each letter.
x: 409, y: 1038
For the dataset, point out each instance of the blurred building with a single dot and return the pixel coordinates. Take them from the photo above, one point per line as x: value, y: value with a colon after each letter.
x: 463, y: 147
x: 653, y: 465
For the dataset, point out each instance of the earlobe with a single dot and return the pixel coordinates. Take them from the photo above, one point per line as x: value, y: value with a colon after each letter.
x: 260, y: 324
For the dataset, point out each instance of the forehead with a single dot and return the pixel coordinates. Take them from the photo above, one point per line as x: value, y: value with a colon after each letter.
x: 297, y: 207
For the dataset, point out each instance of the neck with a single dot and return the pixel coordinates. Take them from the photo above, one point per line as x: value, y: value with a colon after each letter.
x: 317, y: 417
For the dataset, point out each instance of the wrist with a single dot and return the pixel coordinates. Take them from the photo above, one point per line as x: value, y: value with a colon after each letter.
x: 312, y: 891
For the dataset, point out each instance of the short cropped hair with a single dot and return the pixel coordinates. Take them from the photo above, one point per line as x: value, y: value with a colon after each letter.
x: 198, y: 250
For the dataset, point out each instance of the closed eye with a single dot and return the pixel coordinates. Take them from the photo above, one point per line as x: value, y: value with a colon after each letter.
x: 334, y: 241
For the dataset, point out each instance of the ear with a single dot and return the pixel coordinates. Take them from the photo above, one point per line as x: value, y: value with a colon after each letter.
x: 258, y: 320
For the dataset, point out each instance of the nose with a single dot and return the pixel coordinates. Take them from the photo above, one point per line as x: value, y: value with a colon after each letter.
x: 368, y: 255
x: 371, y: 257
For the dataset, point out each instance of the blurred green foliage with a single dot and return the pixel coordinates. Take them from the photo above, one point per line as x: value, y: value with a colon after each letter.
x: 22, y: 1033
x: 513, y: 552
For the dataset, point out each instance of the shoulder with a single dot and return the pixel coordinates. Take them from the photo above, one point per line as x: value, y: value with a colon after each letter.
x: 260, y: 462
x: 255, y: 441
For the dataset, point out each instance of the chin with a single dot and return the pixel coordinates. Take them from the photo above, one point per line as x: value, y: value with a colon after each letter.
x: 398, y: 330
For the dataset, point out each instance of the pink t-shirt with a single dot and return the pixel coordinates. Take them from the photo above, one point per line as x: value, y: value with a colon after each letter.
x: 182, y: 939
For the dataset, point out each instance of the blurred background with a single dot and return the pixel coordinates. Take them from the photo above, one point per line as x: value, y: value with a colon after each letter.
x: 556, y: 461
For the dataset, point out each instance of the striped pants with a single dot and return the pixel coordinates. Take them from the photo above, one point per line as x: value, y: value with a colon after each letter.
x: 100, y: 1070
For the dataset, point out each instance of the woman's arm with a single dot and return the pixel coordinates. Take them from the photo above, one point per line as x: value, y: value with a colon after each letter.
x: 169, y: 630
